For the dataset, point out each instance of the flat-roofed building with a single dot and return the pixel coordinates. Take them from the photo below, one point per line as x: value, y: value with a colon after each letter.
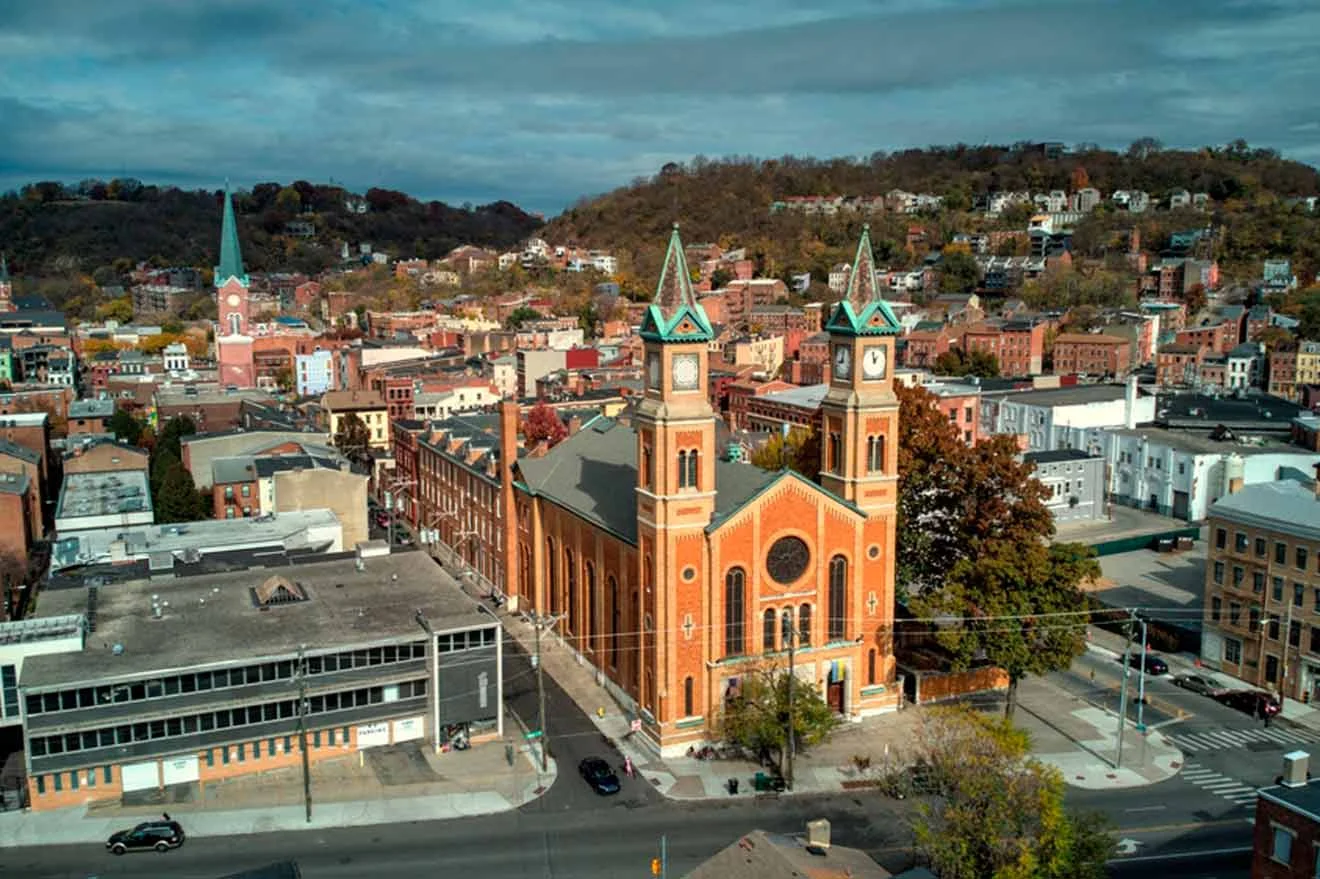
x: 104, y: 498
x: 1262, y: 579
x: 193, y: 680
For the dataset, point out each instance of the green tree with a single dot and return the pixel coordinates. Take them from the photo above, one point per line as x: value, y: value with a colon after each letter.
x: 168, y: 442
x: 353, y: 438
x: 720, y: 278
x: 284, y: 379
x: 588, y: 319
x: 757, y: 718
x: 120, y: 310
x: 958, y: 362
x: 958, y: 272
x: 999, y: 813
x: 799, y: 450
x: 125, y: 426
x: 177, y: 498
x: 520, y: 316
x: 1018, y: 606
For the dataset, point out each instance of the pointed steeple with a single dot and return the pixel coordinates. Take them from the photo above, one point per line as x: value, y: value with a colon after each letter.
x: 4, y: 269
x: 863, y: 310
x: 862, y: 285
x: 674, y: 315
x: 231, y: 259
x: 674, y: 289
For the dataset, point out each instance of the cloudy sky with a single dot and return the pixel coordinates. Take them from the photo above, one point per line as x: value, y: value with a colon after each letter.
x: 541, y: 102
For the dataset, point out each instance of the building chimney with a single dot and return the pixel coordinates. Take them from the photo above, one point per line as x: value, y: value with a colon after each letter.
x: 818, y: 834
x: 510, y: 417
x: 1130, y: 403
x: 574, y: 425
x: 1296, y: 769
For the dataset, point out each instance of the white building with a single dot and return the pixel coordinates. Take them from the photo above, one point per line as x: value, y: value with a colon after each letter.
x: 20, y: 639
x: 1066, y: 418
x: 176, y: 358
x: 443, y: 404
x: 314, y: 374
x: 1245, y: 366
x: 1181, y: 474
x: 504, y: 375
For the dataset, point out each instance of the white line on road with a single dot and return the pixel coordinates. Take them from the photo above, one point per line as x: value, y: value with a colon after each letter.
x: 1146, y: 809
x: 1182, y: 855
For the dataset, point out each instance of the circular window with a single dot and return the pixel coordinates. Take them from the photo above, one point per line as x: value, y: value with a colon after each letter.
x: 874, y: 551
x: 689, y: 574
x: 787, y: 559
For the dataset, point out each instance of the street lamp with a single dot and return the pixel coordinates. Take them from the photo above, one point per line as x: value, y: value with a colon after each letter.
x: 791, y: 634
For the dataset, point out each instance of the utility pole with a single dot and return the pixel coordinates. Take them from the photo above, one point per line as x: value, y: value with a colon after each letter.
x: 790, y: 635
x: 302, y: 730
x: 1141, y: 682
x: 1122, y: 696
x: 537, y: 622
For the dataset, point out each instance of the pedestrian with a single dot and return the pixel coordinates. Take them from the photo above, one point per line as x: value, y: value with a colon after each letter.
x: 627, y: 766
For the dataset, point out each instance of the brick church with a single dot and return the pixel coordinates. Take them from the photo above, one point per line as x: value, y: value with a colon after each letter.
x: 233, y: 302
x: 671, y: 566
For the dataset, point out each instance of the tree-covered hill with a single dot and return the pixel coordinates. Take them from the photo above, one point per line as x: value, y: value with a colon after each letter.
x: 48, y: 228
x: 727, y: 201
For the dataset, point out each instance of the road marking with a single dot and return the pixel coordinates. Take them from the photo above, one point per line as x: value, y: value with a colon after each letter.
x: 1184, y: 855
x: 1146, y: 809
x: 1127, y: 846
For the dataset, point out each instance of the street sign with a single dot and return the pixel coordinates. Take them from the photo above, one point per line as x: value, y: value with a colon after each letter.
x: 534, y: 734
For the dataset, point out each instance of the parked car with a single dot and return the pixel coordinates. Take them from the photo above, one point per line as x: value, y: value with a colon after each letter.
x: 1154, y: 664
x: 1254, y: 702
x: 158, y: 835
x: 1198, y: 684
x: 597, y: 773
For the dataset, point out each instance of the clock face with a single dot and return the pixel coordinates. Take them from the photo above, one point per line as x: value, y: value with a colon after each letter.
x: 653, y: 370
x: 787, y: 560
x: 873, y: 362
x: 233, y: 299
x: 842, y: 361
x: 687, y: 371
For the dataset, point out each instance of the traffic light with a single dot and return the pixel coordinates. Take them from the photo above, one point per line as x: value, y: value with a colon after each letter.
x: 655, y: 866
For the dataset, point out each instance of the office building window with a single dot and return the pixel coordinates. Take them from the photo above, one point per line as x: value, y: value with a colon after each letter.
x: 1281, y: 553
x: 1215, y: 605
x: 1239, y: 542
x: 1219, y: 572
x: 1221, y: 538
x: 1260, y: 547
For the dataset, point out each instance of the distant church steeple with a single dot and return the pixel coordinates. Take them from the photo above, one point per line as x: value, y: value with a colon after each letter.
x: 6, y: 288
x: 231, y: 258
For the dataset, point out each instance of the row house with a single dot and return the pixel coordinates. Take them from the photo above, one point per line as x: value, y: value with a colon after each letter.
x: 1140, y: 331
x: 1219, y: 338
x: 811, y: 365
x: 961, y: 404
x: 1178, y: 365
x: 1091, y: 354
x: 764, y: 354
x: 1170, y: 315
x: 1291, y: 369
x: 387, y: 325
x: 924, y: 346
x: 781, y: 320
x: 1018, y: 345
x: 741, y: 297
x: 780, y: 410
x: 740, y: 394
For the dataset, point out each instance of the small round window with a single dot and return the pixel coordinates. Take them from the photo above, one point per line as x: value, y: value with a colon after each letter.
x: 689, y: 574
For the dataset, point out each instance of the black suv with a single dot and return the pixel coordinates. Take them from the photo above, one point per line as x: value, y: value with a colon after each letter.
x: 159, y: 835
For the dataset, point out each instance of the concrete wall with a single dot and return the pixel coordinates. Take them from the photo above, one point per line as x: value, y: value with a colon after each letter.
x: 345, y: 494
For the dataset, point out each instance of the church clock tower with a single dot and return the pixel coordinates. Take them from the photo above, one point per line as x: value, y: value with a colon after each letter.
x: 859, y: 434
x: 675, y: 479
x: 233, y: 344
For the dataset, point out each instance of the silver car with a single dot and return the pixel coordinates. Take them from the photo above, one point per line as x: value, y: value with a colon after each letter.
x: 1198, y: 684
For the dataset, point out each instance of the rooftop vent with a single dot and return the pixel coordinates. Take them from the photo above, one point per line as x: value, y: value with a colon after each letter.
x: 278, y: 590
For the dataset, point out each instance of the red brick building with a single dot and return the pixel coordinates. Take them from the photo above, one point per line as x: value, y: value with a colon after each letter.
x: 923, y: 347
x: 1286, y: 839
x: 741, y: 392
x: 1220, y: 338
x: 1178, y: 365
x: 1091, y: 354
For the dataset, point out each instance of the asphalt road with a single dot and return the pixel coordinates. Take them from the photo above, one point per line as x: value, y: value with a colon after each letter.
x: 1175, y: 829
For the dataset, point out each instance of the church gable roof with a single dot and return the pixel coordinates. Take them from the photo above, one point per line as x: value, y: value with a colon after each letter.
x: 591, y: 474
x: 769, y: 481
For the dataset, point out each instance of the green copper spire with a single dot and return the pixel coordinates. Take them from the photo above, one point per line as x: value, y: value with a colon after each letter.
x: 675, y: 315
x: 863, y: 310
x: 231, y: 258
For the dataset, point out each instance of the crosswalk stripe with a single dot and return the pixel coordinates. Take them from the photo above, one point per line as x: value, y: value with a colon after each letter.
x: 1199, y: 773
x: 1244, y: 800
x: 1222, y: 786
x: 1235, y: 790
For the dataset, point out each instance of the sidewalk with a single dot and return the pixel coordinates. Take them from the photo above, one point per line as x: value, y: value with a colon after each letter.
x: 376, y: 786
x: 1294, y: 712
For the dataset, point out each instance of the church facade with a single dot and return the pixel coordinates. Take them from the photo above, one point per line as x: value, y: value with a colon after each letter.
x: 677, y: 573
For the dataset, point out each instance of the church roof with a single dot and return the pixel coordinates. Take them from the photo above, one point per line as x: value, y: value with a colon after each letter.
x: 587, y: 474
x: 231, y: 258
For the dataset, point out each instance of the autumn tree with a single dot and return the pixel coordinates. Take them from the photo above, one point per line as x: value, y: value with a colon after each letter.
x: 997, y: 812
x: 757, y: 718
x: 958, y: 271
x: 957, y: 362
x: 543, y: 424
x: 1015, y: 605
x: 799, y: 450
x: 353, y: 437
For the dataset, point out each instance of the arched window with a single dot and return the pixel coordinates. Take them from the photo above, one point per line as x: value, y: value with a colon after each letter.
x: 769, y: 623
x: 648, y: 478
x: 870, y: 666
x: 570, y: 583
x: 804, y: 625
x: 688, y: 697
x: 525, y: 570
x: 688, y: 463
x: 616, y: 619
x: 552, y: 575
x: 735, y: 613
x: 875, y: 454
x: 235, y: 323
x: 693, y: 464
x: 593, y: 621
x: 838, y: 599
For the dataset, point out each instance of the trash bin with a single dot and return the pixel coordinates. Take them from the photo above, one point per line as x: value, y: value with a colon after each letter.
x: 760, y: 782
x: 733, y: 786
